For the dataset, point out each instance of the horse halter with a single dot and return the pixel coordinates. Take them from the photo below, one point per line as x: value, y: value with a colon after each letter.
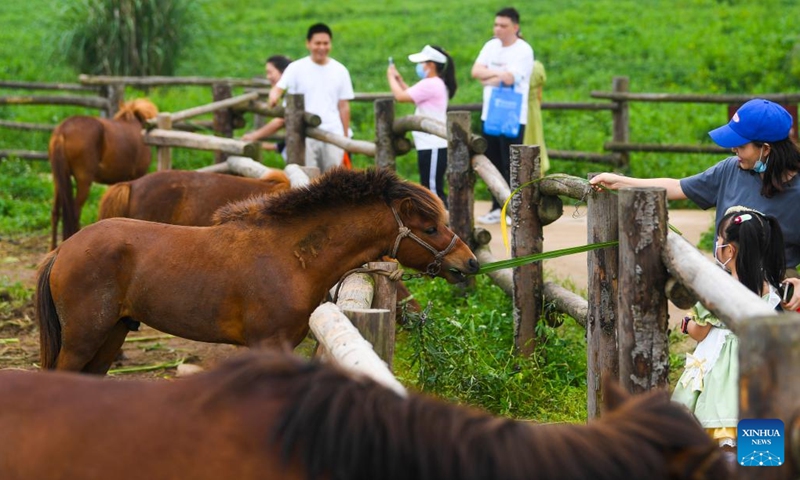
x: 435, y: 266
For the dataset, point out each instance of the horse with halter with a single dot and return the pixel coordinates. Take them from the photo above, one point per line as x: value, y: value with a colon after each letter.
x: 264, y: 414
x: 254, y: 278
x: 92, y: 149
x: 180, y: 197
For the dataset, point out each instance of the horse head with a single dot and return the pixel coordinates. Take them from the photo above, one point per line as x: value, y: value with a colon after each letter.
x: 140, y: 109
x: 430, y: 246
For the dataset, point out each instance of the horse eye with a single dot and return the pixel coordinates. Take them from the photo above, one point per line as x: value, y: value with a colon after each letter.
x: 430, y: 230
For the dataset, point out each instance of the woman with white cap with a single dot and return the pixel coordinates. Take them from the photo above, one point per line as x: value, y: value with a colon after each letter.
x: 761, y: 175
x: 437, y: 85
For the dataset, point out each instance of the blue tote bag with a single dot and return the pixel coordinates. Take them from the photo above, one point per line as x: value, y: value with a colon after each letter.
x: 502, y: 117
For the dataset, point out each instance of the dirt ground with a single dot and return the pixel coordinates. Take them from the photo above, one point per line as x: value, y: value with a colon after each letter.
x: 148, y: 348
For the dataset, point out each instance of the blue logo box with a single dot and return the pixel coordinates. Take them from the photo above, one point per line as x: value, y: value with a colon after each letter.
x: 760, y: 442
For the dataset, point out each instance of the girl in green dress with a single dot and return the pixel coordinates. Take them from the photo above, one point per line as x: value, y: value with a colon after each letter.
x: 750, y: 246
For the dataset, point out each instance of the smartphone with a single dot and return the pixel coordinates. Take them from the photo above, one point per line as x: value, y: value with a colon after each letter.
x: 391, y: 61
x: 786, y: 291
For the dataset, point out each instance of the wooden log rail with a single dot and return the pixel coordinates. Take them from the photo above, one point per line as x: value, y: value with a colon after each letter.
x: 88, y: 102
x: 261, y: 108
x: 418, y: 123
x: 159, y: 81
x: 211, y: 107
x: 72, y: 87
x: 170, y: 138
x: 356, y: 146
x: 693, y: 98
x: 27, y: 126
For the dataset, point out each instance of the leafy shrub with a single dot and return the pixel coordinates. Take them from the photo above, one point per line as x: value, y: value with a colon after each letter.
x: 126, y: 37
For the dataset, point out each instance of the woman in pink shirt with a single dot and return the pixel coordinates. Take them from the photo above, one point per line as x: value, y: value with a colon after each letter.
x: 437, y: 85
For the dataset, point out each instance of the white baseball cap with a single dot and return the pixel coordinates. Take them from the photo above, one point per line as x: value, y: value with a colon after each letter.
x: 428, y: 54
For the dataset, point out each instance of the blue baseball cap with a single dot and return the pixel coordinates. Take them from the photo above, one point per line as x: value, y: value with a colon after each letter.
x: 758, y: 120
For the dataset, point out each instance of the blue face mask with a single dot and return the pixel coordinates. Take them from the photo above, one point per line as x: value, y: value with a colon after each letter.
x: 421, y: 73
x: 760, y: 167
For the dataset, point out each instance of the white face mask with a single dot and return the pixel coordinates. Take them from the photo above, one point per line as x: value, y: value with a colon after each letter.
x: 722, y: 264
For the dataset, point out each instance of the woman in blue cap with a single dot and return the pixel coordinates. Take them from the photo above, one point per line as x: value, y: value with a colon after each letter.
x: 762, y: 175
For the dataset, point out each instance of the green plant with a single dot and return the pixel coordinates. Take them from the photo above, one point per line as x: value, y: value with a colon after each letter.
x: 126, y: 37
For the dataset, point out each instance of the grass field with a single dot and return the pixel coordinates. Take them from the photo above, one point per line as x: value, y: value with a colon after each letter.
x: 682, y: 46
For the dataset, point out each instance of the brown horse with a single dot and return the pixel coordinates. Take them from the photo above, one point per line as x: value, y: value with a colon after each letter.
x: 94, y: 149
x: 264, y: 414
x: 184, y: 197
x: 252, y: 279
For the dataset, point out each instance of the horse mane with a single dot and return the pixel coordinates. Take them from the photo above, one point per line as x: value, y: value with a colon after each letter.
x: 140, y: 109
x: 337, y: 426
x: 337, y: 188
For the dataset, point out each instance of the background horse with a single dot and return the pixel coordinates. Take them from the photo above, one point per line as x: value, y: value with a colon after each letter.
x: 92, y: 149
x: 182, y: 197
x: 264, y: 414
x: 252, y: 279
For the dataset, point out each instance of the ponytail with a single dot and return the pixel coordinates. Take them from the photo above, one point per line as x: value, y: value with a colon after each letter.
x: 447, y: 72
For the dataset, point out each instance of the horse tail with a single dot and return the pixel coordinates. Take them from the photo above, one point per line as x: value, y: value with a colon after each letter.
x: 278, y: 179
x: 116, y: 201
x: 64, y: 200
x: 47, y: 316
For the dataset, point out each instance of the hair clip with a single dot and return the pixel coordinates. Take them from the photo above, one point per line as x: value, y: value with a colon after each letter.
x: 737, y: 220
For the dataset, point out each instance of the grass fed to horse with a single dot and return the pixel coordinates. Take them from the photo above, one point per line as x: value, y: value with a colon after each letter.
x: 252, y: 279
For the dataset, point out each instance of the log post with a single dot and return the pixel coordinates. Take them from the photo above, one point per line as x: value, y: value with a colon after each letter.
x: 164, y: 154
x: 374, y: 324
x: 115, y: 94
x: 295, y: 130
x: 348, y: 348
x: 621, y: 121
x: 642, y: 307
x: 526, y: 239
x: 385, y: 298
x: 384, y: 122
x: 601, y: 322
x: 460, y: 176
x: 223, y: 118
x: 769, y: 368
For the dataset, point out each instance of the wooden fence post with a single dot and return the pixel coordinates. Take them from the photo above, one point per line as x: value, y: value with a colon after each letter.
x: 461, y: 180
x: 385, y: 298
x: 115, y: 94
x: 642, y: 314
x: 384, y: 122
x: 295, y: 129
x: 526, y: 239
x: 621, y: 121
x: 769, y: 369
x: 223, y: 120
x: 164, y: 154
x: 601, y: 321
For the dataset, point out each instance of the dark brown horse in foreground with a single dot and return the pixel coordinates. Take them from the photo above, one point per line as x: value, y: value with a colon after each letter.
x: 92, y: 149
x: 181, y: 197
x: 252, y: 279
x: 267, y: 415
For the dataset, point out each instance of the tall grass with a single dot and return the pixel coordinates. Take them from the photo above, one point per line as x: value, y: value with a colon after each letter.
x: 125, y: 37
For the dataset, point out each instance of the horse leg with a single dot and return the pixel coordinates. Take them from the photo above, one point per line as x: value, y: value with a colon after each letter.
x: 82, y: 187
x: 108, y: 351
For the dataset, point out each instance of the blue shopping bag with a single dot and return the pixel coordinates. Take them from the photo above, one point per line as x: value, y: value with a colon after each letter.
x: 502, y: 117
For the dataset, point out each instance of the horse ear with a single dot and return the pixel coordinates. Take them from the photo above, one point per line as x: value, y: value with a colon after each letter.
x: 613, y: 395
x: 406, y: 207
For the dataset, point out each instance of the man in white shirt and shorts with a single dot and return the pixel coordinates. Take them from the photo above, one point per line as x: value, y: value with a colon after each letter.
x: 327, y: 90
x: 506, y: 59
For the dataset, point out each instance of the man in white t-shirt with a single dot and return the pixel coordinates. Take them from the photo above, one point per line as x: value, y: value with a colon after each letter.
x: 508, y: 60
x: 327, y: 90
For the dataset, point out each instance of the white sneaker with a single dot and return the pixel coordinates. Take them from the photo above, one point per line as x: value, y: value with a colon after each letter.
x: 508, y: 221
x: 490, y: 218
